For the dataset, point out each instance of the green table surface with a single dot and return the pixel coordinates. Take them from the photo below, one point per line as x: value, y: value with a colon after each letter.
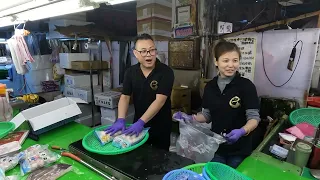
x: 62, y: 137
x: 259, y: 166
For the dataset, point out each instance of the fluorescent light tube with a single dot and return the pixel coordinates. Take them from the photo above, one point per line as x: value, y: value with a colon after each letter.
x: 25, y: 5
x: 55, y: 9
x: 113, y: 2
x: 8, y: 21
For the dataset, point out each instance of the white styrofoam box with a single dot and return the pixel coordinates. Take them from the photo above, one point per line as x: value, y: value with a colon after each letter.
x: 37, y: 76
x: 86, y: 109
x: 87, y: 120
x: 69, y: 91
x: 112, y: 114
x: 84, y: 93
x: 40, y: 62
x: 80, y: 80
x: 108, y: 99
x: 67, y: 58
x: 108, y: 121
x: 49, y: 113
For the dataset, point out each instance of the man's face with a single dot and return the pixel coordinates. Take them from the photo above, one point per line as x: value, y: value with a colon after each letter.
x: 145, y: 51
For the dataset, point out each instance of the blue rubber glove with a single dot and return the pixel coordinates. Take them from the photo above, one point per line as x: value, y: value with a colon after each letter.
x: 119, y: 125
x: 182, y: 116
x: 235, y: 135
x: 135, y: 128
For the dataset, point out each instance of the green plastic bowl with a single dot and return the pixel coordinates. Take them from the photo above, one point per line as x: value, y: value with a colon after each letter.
x: 197, y: 168
x: 6, y: 128
x: 308, y: 115
x: 219, y: 171
x: 92, y: 144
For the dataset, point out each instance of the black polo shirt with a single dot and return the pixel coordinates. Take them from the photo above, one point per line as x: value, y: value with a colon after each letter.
x: 228, y: 111
x: 144, y: 91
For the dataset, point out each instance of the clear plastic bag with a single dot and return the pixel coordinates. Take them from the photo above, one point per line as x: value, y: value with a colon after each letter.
x: 125, y: 141
x: 9, y: 162
x: 35, y: 157
x: 197, y: 142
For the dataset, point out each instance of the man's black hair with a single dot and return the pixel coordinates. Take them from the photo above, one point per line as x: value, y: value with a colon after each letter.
x: 143, y: 36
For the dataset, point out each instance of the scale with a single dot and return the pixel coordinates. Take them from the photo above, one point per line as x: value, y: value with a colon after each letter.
x: 144, y: 162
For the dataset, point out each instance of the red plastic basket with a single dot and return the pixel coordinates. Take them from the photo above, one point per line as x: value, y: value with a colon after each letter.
x: 314, y: 101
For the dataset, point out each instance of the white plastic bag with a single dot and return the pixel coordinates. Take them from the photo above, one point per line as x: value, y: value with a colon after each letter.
x: 197, y: 142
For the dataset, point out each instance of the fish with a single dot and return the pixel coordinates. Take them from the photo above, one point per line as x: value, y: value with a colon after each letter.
x: 50, y: 173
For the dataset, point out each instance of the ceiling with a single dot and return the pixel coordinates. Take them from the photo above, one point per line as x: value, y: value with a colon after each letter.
x: 120, y: 20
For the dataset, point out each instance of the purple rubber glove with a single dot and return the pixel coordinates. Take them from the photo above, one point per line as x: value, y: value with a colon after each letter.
x: 182, y: 116
x: 119, y: 125
x: 234, y: 135
x: 135, y: 128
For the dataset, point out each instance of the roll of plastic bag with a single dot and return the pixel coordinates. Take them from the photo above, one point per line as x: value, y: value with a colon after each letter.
x: 125, y: 141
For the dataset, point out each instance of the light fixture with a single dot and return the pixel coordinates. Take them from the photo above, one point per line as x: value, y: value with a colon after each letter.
x: 111, y: 2
x: 57, y: 9
x: 23, y: 6
x: 9, y: 21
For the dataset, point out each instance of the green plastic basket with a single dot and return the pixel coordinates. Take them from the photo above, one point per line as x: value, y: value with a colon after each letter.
x: 92, y: 144
x: 218, y: 171
x: 308, y: 115
x: 197, y: 168
x: 6, y: 128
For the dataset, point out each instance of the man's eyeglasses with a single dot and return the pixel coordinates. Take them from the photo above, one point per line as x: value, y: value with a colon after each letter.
x: 152, y: 52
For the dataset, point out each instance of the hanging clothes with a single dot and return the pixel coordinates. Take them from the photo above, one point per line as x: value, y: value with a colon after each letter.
x: 19, y: 52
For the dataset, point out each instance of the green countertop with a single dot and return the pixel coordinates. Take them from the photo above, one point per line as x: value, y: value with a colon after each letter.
x: 259, y: 166
x: 62, y: 137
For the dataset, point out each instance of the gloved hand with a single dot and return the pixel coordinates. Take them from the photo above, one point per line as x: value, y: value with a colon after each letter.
x: 119, y: 125
x: 182, y: 116
x: 135, y: 128
x: 234, y: 135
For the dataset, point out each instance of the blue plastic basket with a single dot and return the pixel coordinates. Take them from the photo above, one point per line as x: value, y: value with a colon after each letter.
x: 205, y: 175
x: 182, y: 174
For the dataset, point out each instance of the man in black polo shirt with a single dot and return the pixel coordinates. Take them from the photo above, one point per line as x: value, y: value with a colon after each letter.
x: 149, y: 83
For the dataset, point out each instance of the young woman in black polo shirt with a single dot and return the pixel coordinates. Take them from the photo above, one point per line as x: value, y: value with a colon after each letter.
x: 231, y: 103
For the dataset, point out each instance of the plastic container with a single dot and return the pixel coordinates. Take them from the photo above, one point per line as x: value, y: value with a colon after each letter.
x: 219, y: 171
x: 197, y: 168
x: 6, y: 128
x: 308, y: 115
x: 182, y: 174
x: 92, y: 144
x: 302, y: 154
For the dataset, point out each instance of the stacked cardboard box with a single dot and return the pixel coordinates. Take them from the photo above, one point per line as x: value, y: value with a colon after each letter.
x: 154, y: 17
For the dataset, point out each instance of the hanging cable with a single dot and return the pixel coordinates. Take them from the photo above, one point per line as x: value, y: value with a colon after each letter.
x: 293, y: 50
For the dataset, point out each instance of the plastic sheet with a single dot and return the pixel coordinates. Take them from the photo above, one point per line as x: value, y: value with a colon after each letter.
x: 197, y: 142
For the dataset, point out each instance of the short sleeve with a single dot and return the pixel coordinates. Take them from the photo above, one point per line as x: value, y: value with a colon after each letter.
x: 205, y: 97
x: 127, y: 83
x: 250, y: 96
x: 166, y: 83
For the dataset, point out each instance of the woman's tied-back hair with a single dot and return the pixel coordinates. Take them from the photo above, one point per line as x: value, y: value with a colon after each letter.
x: 223, y: 47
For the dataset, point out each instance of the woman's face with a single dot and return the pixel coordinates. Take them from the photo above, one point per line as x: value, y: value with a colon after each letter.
x: 228, y: 63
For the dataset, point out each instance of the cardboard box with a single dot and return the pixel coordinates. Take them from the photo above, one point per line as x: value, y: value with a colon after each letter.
x: 108, y: 99
x: 159, y: 28
x: 67, y: 58
x: 69, y: 91
x: 84, y: 93
x: 49, y: 113
x: 160, y: 9
x: 80, y: 80
x: 85, y: 65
